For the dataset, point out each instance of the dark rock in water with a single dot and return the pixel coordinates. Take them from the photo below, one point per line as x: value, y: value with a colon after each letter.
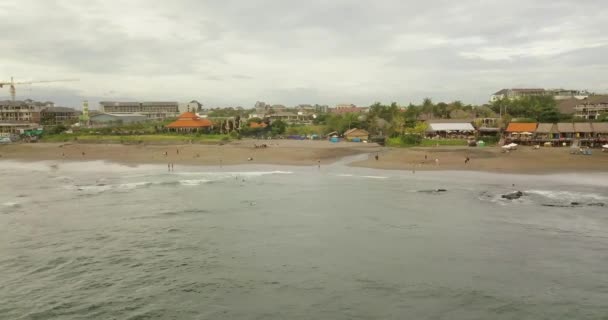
x: 557, y: 205
x: 573, y: 204
x: 597, y: 204
x: 513, y: 195
x: 433, y: 191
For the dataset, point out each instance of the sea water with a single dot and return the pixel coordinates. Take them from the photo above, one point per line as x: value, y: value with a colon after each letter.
x: 92, y: 240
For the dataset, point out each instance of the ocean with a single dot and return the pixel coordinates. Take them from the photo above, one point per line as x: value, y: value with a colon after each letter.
x: 93, y: 240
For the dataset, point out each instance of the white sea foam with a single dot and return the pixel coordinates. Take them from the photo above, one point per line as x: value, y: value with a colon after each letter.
x: 567, y: 195
x: 365, y: 177
x: 196, y: 182
x: 11, y: 204
x: 233, y: 174
x: 133, y: 185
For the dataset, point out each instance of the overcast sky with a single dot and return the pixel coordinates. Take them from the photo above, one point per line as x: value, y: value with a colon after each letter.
x: 235, y: 52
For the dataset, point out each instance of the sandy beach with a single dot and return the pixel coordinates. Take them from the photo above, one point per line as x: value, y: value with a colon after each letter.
x: 279, y: 152
x: 308, y: 153
x: 489, y: 159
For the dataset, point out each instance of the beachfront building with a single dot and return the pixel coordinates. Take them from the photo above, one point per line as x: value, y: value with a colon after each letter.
x: 190, y: 122
x: 152, y: 109
x: 557, y: 94
x: 520, y: 132
x: 563, y: 134
x: 58, y: 115
x: 356, y: 135
x: 288, y: 117
x: 583, y: 130
x: 107, y: 119
x: 566, y: 130
x: 457, y: 130
x: 546, y: 132
x: 22, y: 110
x: 592, y: 107
x: 15, y: 128
x: 600, y: 131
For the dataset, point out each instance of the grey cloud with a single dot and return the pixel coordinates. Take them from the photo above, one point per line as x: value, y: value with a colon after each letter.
x: 317, y: 51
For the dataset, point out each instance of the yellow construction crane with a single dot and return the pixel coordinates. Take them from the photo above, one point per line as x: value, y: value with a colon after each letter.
x: 12, y: 84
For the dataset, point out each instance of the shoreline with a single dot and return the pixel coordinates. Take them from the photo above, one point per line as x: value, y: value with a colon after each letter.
x: 309, y: 153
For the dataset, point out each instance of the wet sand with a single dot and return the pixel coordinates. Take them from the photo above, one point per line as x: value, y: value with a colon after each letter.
x: 279, y: 152
x: 489, y: 159
x: 308, y: 153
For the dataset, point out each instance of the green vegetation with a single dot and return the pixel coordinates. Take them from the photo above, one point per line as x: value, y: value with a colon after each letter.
x: 417, y: 141
x: 133, y: 139
x: 536, y: 108
x: 443, y: 142
x: 306, y: 130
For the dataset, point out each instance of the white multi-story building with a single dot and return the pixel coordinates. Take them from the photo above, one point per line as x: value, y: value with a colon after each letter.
x: 151, y: 109
x: 22, y: 111
x: 592, y: 107
x: 557, y: 94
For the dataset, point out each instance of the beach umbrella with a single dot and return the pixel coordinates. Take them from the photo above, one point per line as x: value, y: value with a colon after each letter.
x: 506, y: 147
x: 526, y: 133
x: 605, y: 146
x: 512, y: 145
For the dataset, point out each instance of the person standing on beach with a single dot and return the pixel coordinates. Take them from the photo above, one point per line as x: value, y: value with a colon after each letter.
x: 436, y: 162
x: 168, y: 167
x: 467, y: 160
x: 177, y: 150
x: 319, y: 163
x: 172, y: 169
x: 376, y: 157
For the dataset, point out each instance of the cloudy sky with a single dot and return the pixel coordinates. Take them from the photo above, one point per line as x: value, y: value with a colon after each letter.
x: 235, y: 52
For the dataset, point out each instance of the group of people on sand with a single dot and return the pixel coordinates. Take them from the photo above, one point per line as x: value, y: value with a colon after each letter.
x: 262, y: 146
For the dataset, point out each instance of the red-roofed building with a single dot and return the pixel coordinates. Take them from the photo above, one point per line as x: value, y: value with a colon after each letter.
x: 189, y: 122
x: 515, y: 127
x: 255, y: 125
x: 520, y: 132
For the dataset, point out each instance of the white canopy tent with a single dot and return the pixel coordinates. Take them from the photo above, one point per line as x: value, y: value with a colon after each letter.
x: 451, y: 127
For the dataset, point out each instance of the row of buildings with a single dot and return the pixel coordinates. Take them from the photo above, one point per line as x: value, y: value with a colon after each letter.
x: 16, y: 116
x: 568, y: 133
x: 579, y: 103
x: 20, y: 115
x: 557, y: 94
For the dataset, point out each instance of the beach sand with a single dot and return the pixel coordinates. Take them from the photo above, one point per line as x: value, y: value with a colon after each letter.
x: 308, y: 153
x: 280, y: 152
x: 490, y: 159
